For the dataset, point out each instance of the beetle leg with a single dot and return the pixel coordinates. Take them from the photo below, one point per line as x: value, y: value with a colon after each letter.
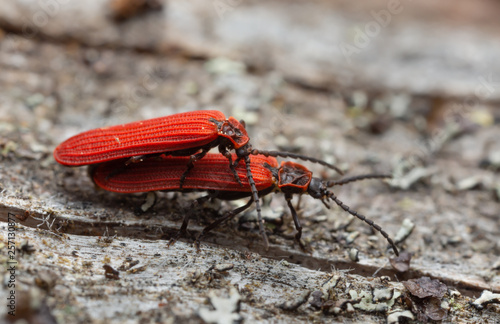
x: 140, y: 158
x: 193, y: 158
x: 224, y: 151
x: 255, y: 197
x: 135, y: 159
x: 226, y: 217
x: 183, y: 230
x: 232, y: 166
x: 295, y: 220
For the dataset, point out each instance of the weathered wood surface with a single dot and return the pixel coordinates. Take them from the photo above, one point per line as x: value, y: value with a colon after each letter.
x: 52, y: 89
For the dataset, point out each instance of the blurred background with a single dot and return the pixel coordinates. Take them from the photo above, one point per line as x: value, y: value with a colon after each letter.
x: 399, y: 86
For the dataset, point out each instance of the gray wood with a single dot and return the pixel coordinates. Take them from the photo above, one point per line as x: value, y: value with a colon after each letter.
x: 52, y: 88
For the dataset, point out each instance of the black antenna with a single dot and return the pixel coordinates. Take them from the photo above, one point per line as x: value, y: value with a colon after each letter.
x: 344, y: 181
x: 332, y: 196
x: 296, y: 156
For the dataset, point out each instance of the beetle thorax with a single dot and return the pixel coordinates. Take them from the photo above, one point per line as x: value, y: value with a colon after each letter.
x: 234, y: 131
x: 293, y: 178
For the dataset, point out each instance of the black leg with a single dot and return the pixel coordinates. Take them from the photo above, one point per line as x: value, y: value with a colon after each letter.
x: 232, y: 166
x: 135, y: 159
x: 296, y: 221
x: 226, y: 217
x: 224, y: 151
x: 183, y: 230
x: 255, y: 197
x: 140, y: 158
x: 193, y: 158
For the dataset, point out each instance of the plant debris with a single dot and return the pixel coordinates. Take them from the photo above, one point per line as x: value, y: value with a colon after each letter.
x: 223, y: 267
x: 148, y: 202
x: 366, y: 300
x: 354, y: 255
x: 111, y: 273
x: 316, y: 299
x: 425, y: 287
x: 292, y: 305
x: 487, y: 297
x: 226, y: 309
x: 382, y: 294
x: 398, y: 316
x: 405, y: 231
x: 425, y: 298
x: 470, y: 183
x: 404, y: 180
x: 127, y: 264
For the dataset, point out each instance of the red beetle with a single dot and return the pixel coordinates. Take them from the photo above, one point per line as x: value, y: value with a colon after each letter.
x: 180, y: 134
x: 190, y: 134
x: 211, y: 174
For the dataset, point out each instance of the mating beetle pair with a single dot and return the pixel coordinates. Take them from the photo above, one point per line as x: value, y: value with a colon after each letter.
x: 170, y: 153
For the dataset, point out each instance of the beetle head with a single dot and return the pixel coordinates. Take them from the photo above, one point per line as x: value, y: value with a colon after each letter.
x: 317, y: 188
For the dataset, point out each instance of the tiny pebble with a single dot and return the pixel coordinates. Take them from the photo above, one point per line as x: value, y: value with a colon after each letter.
x: 224, y: 266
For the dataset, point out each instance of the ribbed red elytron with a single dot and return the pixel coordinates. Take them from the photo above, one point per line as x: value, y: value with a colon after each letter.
x: 190, y: 134
x: 212, y: 174
x: 162, y: 174
x: 179, y: 134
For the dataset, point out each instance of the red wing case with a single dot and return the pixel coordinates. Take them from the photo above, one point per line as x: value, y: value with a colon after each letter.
x: 164, y: 173
x: 159, y: 135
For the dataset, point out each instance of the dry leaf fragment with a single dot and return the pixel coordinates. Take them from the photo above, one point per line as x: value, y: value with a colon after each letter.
x: 425, y: 287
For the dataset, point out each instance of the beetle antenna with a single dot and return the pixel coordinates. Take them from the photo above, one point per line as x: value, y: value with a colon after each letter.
x: 255, y: 197
x: 332, y: 196
x: 344, y: 181
x: 296, y: 156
